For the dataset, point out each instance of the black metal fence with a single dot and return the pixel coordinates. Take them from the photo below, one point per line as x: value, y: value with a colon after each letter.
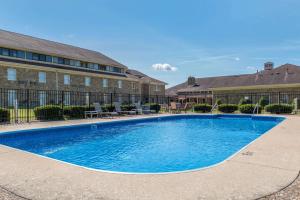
x: 19, y: 104
x: 254, y: 98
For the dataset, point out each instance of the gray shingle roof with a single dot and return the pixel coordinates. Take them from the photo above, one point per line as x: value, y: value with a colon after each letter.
x: 145, y: 78
x: 285, y: 74
x: 29, y: 43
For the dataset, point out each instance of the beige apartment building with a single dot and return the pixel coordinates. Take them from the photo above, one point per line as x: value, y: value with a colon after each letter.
x: 29, y: 63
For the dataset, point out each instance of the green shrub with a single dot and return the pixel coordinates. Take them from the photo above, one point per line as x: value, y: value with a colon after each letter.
x: 228, y: 108
x: 108, y: 108
x: 49, y: 112
x: 279, y: 108
x: 4, y: 115
x: 263, y: 101
x: 154, y: 106
x: 203, y: 108
x: 244, y: 101
x: 248, y: 108
x: 74, y: 112
x: 127, y: 107
x: 218, y: 101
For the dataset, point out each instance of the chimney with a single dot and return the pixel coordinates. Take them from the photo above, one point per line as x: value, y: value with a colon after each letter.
x: 191, y: 80
x: 268, y: 66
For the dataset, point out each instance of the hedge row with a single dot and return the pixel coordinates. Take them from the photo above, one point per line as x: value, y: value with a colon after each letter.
x: 228, y: 108
x: 279, y: 108
x: 53, y: 112
x: 49, y: 112
x: 4, y: 115
x: 202, y: 108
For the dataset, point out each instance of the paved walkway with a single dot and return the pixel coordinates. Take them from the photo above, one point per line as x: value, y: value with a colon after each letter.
x: 267, y: 165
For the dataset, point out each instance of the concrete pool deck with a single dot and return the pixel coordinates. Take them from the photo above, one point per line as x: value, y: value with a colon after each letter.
x: 265, y: 166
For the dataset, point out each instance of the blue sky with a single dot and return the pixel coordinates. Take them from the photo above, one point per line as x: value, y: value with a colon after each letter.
x: 169, y: 39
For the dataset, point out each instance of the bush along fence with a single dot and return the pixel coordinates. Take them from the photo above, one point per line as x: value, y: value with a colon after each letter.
x: 17, y: 105
x: 253, y: 103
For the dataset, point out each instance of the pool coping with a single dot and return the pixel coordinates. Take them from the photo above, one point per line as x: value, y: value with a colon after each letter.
x: 145, y: 118
x: 292, y: 171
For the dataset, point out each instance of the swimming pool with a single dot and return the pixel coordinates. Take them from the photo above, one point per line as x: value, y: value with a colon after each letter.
x: 153, y: 145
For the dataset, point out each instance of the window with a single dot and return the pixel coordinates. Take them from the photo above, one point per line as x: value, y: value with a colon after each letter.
x: 72, y: 62
x: 87, y: 81
x: 83, y: 64
x: 55, y: 59
x: 21, y: 54
x: 105, y: 83
x: 116, y: 69
x: 101, y: 67
x: 120, y: 98
x: 42, y: 77
x: 28, y: 55
x: 77, y: 63
x: 12, y: 53
x: 108, y: 68
x: 11, y: 74
x: 60, y: 61
x: 133, y: 85
x: 42, y: 97
x: 48, y: 58
x: 42, y: 58
x: 119, y: 84
x: 67, y: 79
x: 87, y: 98
x: 284, y: 98
x: 11, y: 97
x: 105, y: 98
x: 133, y: 98
x: 157, y: 88
x: 35, y: 56
x: 67, y: 98
x: 5, y: 52
x: 91, y: 65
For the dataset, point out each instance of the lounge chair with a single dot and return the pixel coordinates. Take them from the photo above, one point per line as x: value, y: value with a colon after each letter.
x: 164, y: 107
x: 146, y: 109
x: 138, y: 108
x: 175, y: 108
x: 184, y: 107
x: 98, y: 112
x: 121, y: 112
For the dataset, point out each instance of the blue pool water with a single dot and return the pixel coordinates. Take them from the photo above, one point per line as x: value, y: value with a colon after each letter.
x: 166, y: 144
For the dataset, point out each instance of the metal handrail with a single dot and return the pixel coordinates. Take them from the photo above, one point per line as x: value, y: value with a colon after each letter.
x: 214, y: 107
x: 256, y: 108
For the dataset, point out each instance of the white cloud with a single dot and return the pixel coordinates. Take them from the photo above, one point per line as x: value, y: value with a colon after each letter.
x: 164, y: 67
x: 70, y: 36
x: 211, y: 59
x: 251, y: 68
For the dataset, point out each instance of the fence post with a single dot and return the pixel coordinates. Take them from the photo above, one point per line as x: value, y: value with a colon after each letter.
x: 27, y: 105
x: 157, y: 99
x: 279, y: 100
x: 111, y: 100
x: 89, y: 100
x: 129, y: 100
x: 62, y: 100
